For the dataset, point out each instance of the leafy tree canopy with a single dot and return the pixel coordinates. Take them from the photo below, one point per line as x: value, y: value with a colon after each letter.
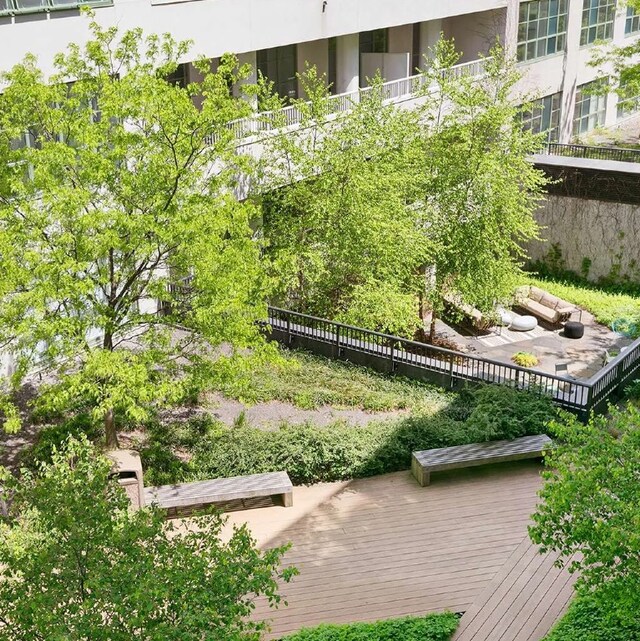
x: 341, y: 225
x: 76, y: 563
x: 403, y: 206
x: 590, y: 509
x: 619, y: 64
x: 115, y: 185
x: 472, y: 167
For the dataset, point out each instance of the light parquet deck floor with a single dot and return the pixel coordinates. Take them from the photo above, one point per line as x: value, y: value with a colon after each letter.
x: 384, y: 546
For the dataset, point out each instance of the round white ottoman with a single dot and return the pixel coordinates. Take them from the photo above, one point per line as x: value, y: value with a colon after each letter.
x: 523, y: 323
x: 505, y: 318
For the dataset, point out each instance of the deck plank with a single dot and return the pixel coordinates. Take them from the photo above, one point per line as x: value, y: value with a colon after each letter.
x: 384, y: 547
x: 522, y: 601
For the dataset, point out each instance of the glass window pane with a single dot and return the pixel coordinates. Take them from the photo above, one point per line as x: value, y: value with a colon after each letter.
x: 29, y: 5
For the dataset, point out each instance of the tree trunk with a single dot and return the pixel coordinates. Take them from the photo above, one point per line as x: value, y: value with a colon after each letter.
x: 432, y: 326
x: 110, y: 434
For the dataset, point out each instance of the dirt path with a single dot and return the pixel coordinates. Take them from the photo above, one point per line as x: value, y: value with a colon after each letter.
x: 270, y: 414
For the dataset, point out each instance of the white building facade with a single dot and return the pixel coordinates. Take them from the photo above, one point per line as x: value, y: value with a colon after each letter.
x: 350, y: 39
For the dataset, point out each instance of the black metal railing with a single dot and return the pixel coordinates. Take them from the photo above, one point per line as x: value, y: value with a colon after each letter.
x: 594, y: 153
x: 450, y: 368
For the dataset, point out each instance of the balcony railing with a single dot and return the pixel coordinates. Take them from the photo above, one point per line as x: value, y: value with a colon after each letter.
x: 394, y: 90
x: 13, y: 7
x: 619, y: 154
x: 448, y: 368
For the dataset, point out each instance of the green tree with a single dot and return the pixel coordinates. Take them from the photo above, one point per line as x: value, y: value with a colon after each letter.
x: 472, y: 170
x: 115, y: 185
x: 590, y: 508
x: 77, y: 563
x: 618, y: 65
x: 341, y: 227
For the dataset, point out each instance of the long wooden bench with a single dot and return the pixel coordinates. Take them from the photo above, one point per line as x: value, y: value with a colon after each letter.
x: 447, y: 458
x: 201, y: 493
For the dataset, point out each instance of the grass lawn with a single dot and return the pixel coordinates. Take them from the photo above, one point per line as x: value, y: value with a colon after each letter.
x: 309, y: 382
x: 620, y: 312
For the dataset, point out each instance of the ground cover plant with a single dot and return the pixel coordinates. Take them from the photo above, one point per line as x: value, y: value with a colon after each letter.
x: 205, y: 448
x: 617, y: 310
x: 433, y: 627
x: 309, y: 381
x: 593, y: 618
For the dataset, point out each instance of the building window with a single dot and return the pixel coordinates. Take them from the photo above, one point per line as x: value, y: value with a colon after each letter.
x: 180, y: 76
x: 597, y: 20
x: 590, y: 110
x: 544, y: 116
x: 11, y: 7
x: 376, y: 41
x: 627, y: 104
x: 632, y: 23
x: 416, y: 55
x: 332, y: 74
x: 542, y: 28
x: 279, y: 65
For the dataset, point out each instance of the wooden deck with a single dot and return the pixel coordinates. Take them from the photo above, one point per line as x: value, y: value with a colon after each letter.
x: 523, y: 600
x: 385, y: 547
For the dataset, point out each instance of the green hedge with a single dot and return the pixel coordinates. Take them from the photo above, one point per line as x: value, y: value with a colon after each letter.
x: 339, y: 451
x: 594, y: 618
x: 433, y: 627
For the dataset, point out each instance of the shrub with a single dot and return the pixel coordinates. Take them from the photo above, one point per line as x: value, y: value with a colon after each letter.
x: 593, y: 617
x: 54, y: 436
x: 633, y: 389
x: 433, y: 627
x: 339, y: 451
x: 383, y: 307
x: 499, y: 412
x: 525, y: 359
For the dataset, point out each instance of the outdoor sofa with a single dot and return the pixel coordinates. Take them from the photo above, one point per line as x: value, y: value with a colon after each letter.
x: 544, y: 305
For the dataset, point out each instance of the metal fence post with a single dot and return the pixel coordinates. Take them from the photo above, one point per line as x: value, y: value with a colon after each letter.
x: 451, y: 371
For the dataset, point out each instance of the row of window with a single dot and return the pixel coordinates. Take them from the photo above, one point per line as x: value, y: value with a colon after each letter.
x: 589, y: 113
x: 10, y: 7
x: 542, y: 25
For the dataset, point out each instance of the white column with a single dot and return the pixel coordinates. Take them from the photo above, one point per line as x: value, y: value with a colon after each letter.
x: 347, y: 63
x: 510, y: 36
x: 571, y: 64
x: 429, y: 35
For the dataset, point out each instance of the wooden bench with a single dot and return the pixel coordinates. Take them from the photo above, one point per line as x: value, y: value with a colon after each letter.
x: 448, y: 458
x: 201, y: 493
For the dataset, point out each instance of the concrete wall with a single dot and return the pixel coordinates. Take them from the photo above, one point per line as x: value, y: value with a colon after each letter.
x: 219, y: 26
x: 606, y: 234
x: 475, y: 33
